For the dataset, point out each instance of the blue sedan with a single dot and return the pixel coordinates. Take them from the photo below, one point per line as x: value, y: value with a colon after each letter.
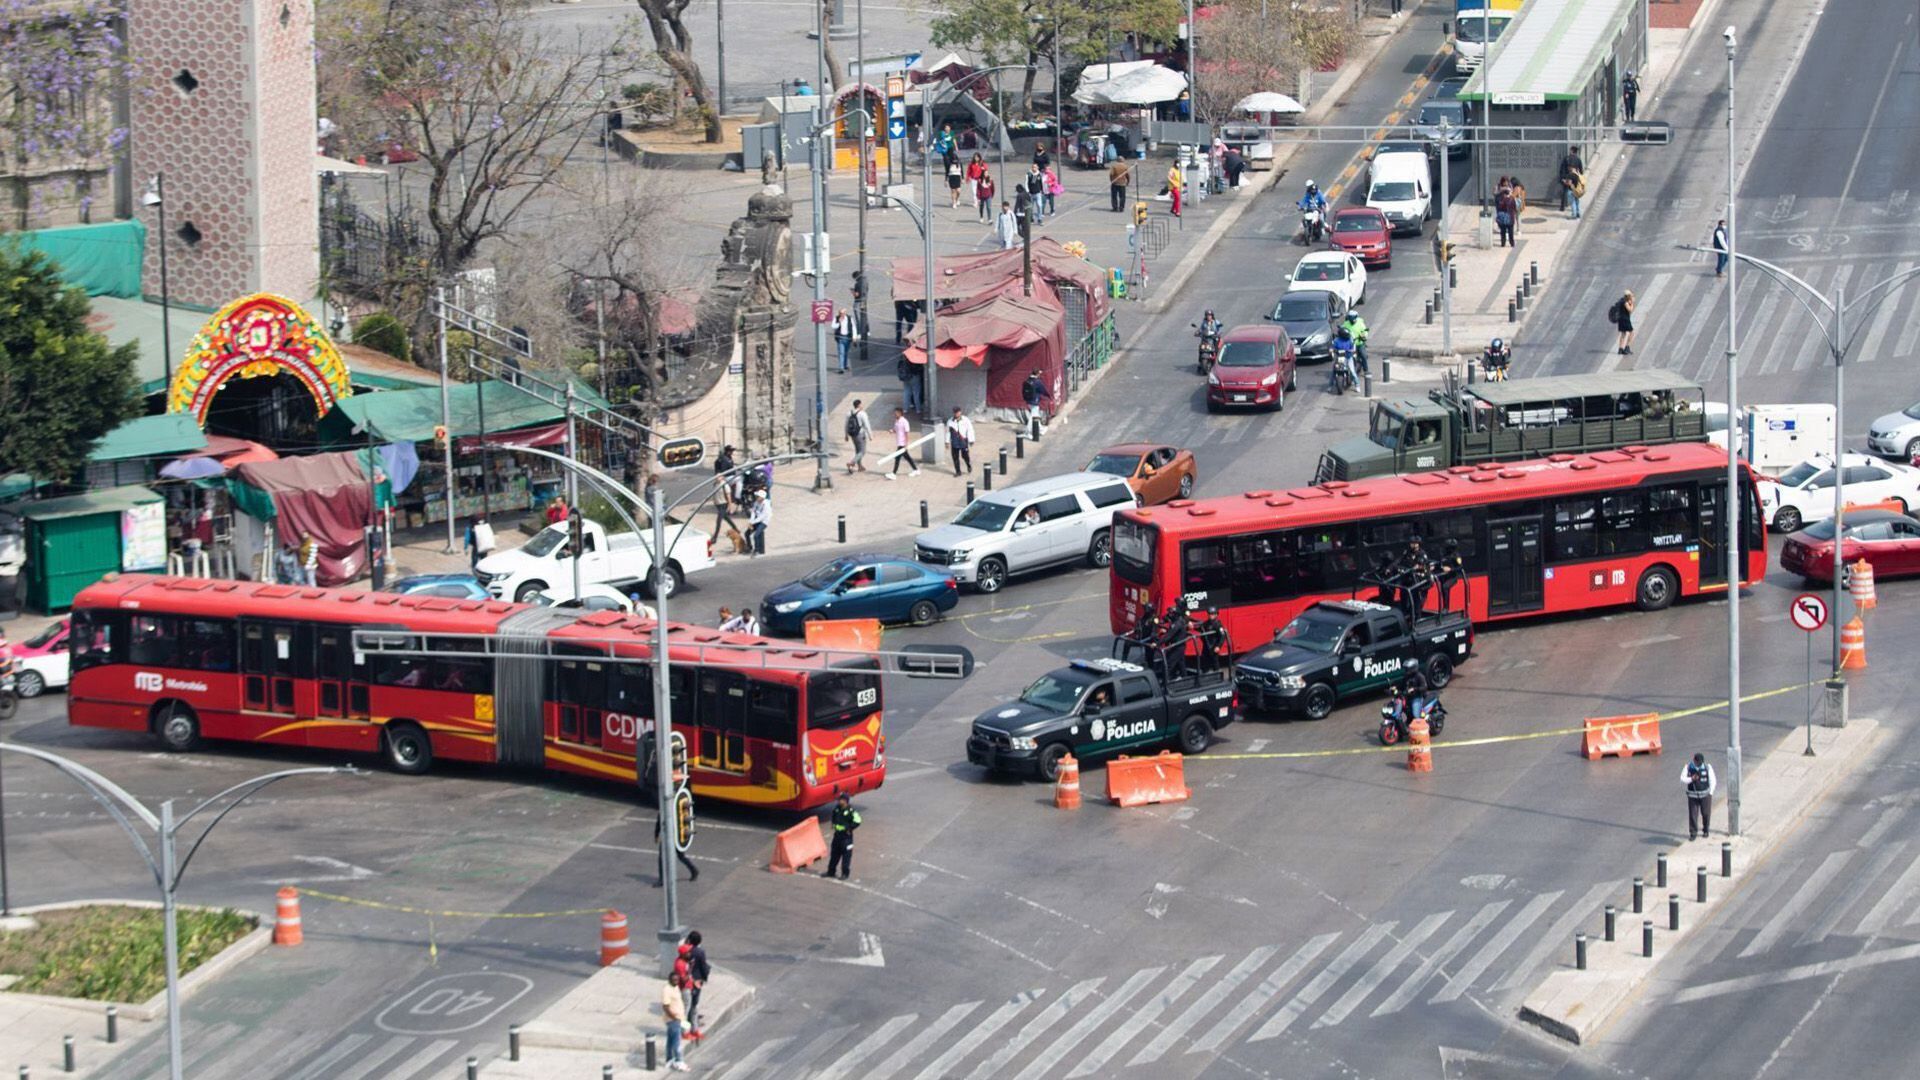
x: 883, y: 587
x: 450, y: 586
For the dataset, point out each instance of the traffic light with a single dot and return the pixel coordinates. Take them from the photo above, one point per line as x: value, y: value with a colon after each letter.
x: 576, y: 527
x: 439, y: 434
x: 1139, y: 213
x: 683, y: 819
x: 682, y: 453
x: 1647, y: 133
x: 677, y: 756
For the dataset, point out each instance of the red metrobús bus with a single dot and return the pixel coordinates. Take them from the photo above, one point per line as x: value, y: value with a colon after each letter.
x: 1636, y: 526
x: 190, y: 659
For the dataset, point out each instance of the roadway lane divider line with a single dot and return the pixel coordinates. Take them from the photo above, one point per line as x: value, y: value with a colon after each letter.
x: 431, y: 913
x: 1488, y: 740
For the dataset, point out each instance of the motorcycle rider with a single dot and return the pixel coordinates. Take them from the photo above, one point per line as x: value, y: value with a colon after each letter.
x: 1208, y: 330
x: 1315, y: 203
x: 1356, y: 328
x: 1342, y: 367
x: 1499, y: 354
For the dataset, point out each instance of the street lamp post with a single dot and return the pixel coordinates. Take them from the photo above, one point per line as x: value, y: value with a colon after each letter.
x: 1731, y: 512
x: 156, y: 197
x: 165, y: 863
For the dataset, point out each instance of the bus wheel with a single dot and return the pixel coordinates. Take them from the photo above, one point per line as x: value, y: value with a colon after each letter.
x: 1050, y: 761
x: 1439, y: 671
x: 1656, y: 590
x: 1317, y: 704
x: 407, y: 748
x: 923, y: 612
x: 1196, y: 734
x: 178, y: 728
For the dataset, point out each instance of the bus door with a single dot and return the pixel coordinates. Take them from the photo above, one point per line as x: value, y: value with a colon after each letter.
x: 1515, y: 574
x: 270, y: 666
x: 723, y: 720
x: 341, y: 684
x: 580, y: 694
x: 1712, y: 535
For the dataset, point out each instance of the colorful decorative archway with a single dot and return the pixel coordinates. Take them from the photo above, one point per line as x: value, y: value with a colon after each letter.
x: 258, y: 335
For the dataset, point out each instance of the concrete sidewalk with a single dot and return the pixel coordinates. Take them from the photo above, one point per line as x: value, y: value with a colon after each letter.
x: 609, y: 1019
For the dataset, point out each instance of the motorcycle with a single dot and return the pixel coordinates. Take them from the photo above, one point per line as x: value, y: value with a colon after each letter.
x: 1341, y: 375
x: 9, y: 697
x: 1394, y: 720
x: 1209, y: 349
x: 1313, y: 224
x: 1495, y: 361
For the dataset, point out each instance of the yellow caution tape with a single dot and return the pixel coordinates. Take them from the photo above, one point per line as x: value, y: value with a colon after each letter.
x: 1487, y: 740
x: 430, y: 913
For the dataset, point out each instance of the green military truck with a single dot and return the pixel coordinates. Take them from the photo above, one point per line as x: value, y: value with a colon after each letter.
x: 1521, y: 418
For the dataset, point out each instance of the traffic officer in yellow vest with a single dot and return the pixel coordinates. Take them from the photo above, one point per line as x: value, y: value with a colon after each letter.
x: 845, y: 820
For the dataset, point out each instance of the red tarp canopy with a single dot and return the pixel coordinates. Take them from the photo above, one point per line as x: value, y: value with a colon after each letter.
x: 546, y: 435
x: 324, y: 496
x: 959, y: 277
x: 1019, y: 334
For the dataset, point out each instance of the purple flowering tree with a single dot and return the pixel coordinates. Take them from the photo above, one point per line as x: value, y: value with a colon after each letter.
x: 61, y: 64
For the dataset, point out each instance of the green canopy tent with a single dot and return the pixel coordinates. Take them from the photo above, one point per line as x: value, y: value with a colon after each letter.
x: 168, y: 435
x: 412, y: 415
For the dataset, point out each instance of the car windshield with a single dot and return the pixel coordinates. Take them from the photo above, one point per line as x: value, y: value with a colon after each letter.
x: 1057, y: 692
x: 1453, y: 112
x: 1913, y: 411
x: 1320, y: 271
x: 985, y: 516
x: 1801, y: 473
x: 1392, y: 191
x: 1301, y: 309
x: 1246, y: 354
x: 1314, y: 632
x: 826, y: 576
x: 40, y: 639
x: 1477, y: 28
x: 1114, y: 464
x: 1355, y: 223
x: 544, y: 542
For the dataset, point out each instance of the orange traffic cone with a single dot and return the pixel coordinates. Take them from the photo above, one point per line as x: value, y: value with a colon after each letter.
x: 286, y: 917
x: 613, y: 937
x: 1853, y: 645
x: 1066, y: 786
x: 1862, y: 587
x: 1419, y: 742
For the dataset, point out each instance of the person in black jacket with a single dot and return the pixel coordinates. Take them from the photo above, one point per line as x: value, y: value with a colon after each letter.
x: 698, y: 972
x: 845, y: 820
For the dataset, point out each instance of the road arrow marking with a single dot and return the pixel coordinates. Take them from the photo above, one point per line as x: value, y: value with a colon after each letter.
x: 343, y: 871
x: 870, y: 954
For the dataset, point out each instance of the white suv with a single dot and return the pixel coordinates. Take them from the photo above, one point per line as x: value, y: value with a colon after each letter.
x: 1027, y: 527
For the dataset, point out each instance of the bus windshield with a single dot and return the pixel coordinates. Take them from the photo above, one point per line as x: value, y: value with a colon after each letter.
x: 1133, y: 545
x: 1478, y: 28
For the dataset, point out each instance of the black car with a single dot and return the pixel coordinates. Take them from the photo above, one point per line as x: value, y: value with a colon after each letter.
x: 1310, y: 317
x: 1338, y: 648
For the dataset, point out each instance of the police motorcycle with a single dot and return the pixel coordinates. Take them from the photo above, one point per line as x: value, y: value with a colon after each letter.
x: 1313, y: 214
x: 1496, y: 359
x: 1208, y: 330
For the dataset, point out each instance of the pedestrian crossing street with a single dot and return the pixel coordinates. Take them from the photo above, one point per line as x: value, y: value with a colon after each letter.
x: 227, y: 1051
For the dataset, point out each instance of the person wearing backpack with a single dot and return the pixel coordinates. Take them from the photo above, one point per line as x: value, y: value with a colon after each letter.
x: 1621, y: 315
x: 859, y: 430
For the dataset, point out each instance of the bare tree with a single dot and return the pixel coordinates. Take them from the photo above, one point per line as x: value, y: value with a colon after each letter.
x: 1245, y: 47
x: 836, y: 73
x: 674, y: 45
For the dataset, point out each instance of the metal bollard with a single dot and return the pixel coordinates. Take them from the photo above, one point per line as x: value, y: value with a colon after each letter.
x: 1033, y: 431
x: 1700, y: 884
x: 1726, y: 861
x: 66, y: 1053
x: 1533, y: 272
x: 1386, y: 369
x: 924, y: 519
x: 1613, y: 918
x: 840, y: 523
x: 1660, y: 870
x: 1519, y: 298
x: 1513, y: 313
x: 1003, y: 461
x: 513, y: 1042
x: 473, y: 1068
x: 970, y: 494
x: 24, y: 1075
x: 1020, y: 444
x: 606, y: 1072
x: 1436, y: 299
x: 1453, y: 275
x: 652, y: 1051
x: 113, y: 1025
x: 986, y: 478
x: 1673, y: 911
x: 1580, y: 951
x: 1646, y: 938
x: 1366, y: 384
x: 1428, y: 318
x: 1639, y: 895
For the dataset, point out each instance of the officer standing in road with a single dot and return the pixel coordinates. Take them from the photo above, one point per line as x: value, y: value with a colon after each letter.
x: 845, y: 820
x: 1700, y: 783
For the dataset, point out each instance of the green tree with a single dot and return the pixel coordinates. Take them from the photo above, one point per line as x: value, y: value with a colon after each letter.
x: 1024, y: 31
x: 384, y: 333
x: 61, y: 386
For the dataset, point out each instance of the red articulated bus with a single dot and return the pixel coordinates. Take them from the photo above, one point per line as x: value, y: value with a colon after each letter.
x: 190, y: 659
x: 1639, y: 526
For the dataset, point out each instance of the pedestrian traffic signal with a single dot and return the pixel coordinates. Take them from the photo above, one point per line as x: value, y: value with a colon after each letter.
x: 1140, y: 213
x: 677, y: 755
x: 683, y: 819
x: 682, y: 453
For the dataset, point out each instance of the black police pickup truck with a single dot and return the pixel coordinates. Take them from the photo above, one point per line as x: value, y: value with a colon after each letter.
x: 1338, y: 648
x: 1098, y: 708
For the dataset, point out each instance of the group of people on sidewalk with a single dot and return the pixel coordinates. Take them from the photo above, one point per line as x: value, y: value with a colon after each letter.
x: 960, y: 432
x: 680, y: 998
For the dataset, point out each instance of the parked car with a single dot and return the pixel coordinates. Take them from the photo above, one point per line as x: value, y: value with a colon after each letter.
x: 1256, y: 368
x: 450, y: 586
x: 1889, y: 542
x: 1805, y: 492
x: 1365, y: 232
x: 1155, y: 472
x: 1897, y: 434
x: 545, y: 563
x: 40, y: 662
x: 1310, y: 317
x: 1335, y: 271
x: 884, y: 587
x: 1027, y: 527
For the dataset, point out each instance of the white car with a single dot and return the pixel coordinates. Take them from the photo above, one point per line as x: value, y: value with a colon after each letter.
x: 1897, y: 435
x: 1804, y: 493
x: 40, y: 662
x: 1333, y: 271
x: 592, y: 598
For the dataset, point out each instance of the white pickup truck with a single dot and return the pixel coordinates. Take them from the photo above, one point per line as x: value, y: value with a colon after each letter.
x: 545, y: 563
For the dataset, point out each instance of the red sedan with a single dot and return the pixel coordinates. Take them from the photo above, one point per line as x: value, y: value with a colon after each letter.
x: 1890, y: 543
x: 1363, y: 231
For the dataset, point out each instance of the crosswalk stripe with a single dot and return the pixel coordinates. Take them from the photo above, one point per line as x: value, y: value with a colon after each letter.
x: 1207, y: 1002
x: 202, y: 1044
x: 868, y: 1046
x: 1897, y: 896
x: 1888, y: 819
x: 1857, y: 887
x: 1910, y: 337
x: 1411, y: 986
x: 1886, y: 319
x: 335, y: 1053
x: 1463, y: 980
x: 1162, y: 1003
x: 917, y: 1045
x: 1322, y: 982
x: 1036, y: 1027
x: 422, y: 1061
x: 1785, y: 914
x: 806, y: 1055
x: 1557, y: 935
x: 1251, y: 1005
x: 937, y: 1070
x: 1733, y: 920
x: 286, y: 1050
x: 755, y: 1058
x: 389, y: 1049
x: 1760, y: 302
x: 1044, y: 1064
x: 1382, y: 969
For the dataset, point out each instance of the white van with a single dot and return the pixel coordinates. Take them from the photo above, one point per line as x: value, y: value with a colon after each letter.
x: 1397, y: 186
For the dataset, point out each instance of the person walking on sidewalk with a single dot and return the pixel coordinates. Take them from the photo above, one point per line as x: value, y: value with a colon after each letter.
x: 1505, y: 212
x: 902, y: 435
x: 1700, y: 783
x: 479, y: 541
x: 693, y: 872
x: 954, y: 178
x: 983, y: 191
x: 976, y: 169
x: 1035, y: 393
x: 674, y: 1011
x: 1176, y: 182
x: 1721, y: 250
x: 845, y: 820
x: 1054, y: 188
x: 960, y: 441
x: 1570, y: 169
x: 845, y: 333
x: 1621, y: 315
x: 1036, y: 194
x: 859, y: 431
x: 1630, y: 95
x: 1007, y: 229
x: 699, y: 971
x: 759, y: 516
x: 1119, y: 175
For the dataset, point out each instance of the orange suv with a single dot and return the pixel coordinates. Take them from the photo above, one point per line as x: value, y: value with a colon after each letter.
x: 1155, y: 472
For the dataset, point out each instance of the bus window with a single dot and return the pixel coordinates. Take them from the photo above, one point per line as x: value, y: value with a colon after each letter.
x: 1670, y: 514
x: 1205, y: 565
x: 1133, y: 544
x: 94, y: 637
x: 154, y: 641
x: 1261, y: 569
x: 773, y: 713
x: 839, y: 699
x: 1574, y: 534
x: 1623, y: 526
x: 207, y: 644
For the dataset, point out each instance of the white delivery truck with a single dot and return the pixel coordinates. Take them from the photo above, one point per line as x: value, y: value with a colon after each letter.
x: 1775, y: 438
x: 544, y: 564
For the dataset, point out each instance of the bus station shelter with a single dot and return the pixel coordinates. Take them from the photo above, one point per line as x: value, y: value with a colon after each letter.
x: 1559, y: 65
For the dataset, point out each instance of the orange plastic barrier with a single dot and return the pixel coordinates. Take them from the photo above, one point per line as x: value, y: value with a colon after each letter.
x: 1419, y: 747
x: 613, y: 937
x: 859, y: 635
x: 286, y: 917
x: 1894, y: 505
x: 1066, y: 786
x: 798, y: 846
x: 1862, y: 587
x: 1137, y: 781
x: 1621, y: 736
x: 1853, y: 645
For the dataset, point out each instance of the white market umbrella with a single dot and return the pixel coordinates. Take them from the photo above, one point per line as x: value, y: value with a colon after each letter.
x: 1268, y: 101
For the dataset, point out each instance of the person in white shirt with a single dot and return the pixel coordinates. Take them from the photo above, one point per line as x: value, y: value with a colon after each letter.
x: 902, y: 435
x: 758, y: 518
x: 960, y: 440
x: 1700, y: 784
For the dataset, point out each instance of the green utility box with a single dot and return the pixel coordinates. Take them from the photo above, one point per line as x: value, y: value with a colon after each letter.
x: 74, y: 541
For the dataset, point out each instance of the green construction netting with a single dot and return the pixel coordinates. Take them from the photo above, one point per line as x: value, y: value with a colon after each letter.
x: 102, y: 259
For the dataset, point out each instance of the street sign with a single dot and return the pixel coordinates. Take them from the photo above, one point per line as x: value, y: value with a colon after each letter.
x: 683, y: 819
x: 822, y: 311
x: 681, y: 454
x: 896, y: 109
x: 896, y: 86
x: 897, y: 128
x: 1809, y: 612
